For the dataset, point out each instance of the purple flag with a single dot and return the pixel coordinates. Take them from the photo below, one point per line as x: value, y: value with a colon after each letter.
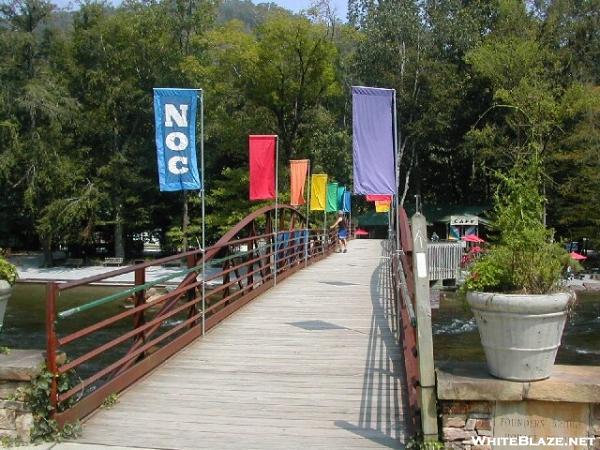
x: 373, y: 140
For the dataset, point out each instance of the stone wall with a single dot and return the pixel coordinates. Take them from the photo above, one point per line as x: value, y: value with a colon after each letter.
x: 16, y: 421
x: 474, y: 404
x: 462, y: 420
x: 596, y: 425
x: 17, y: 368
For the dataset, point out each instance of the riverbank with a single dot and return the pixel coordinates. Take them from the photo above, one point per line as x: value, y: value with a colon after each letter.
x: 587, y: 283
x: 30, y: 271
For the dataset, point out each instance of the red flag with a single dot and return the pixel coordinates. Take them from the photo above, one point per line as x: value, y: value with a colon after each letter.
x: 262, y: 167
x: 379, y: 198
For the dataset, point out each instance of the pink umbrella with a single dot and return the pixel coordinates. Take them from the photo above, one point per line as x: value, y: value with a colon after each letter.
x: 472, y: 238
x: 361, y: 232
x: 577, y: 257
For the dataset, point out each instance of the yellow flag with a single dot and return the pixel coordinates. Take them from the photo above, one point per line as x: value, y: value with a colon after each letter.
x: 318, y: 192
x: 382, y: 206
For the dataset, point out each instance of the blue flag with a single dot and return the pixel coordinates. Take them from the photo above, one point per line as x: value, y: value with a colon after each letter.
x: 175, y: 118
x: 346, y: 206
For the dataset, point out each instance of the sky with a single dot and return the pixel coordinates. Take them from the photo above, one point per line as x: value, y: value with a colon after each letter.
x: 340, y: 6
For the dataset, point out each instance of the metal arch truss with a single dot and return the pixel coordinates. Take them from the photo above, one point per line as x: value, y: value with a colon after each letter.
x: 243, y: 264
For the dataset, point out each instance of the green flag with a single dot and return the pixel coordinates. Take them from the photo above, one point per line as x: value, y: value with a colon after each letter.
x: 331, y: 204
x: 340, y: 197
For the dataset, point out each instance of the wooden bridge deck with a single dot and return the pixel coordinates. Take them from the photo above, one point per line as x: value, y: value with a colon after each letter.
x: 312, y: 363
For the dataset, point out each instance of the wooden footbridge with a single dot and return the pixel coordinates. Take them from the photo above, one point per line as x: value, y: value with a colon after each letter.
x: 323, y: 354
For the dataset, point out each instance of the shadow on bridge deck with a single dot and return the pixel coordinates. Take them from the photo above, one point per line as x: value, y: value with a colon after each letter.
x: 380, y: 415
x: 312, y: 363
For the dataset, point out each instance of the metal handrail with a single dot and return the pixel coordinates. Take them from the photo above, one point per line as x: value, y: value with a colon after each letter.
x: 403, y: 283
x: 244, y: 275
x: 127, y: 292
x: 405, y: 295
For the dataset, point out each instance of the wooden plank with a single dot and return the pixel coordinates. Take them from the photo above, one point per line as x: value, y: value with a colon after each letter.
x: 311, y: 363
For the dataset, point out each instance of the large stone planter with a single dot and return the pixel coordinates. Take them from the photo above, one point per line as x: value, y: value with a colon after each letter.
x: 520, y: 333
x: 5, y: 293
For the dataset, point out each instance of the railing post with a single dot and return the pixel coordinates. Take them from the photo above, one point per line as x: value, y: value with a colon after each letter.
x: 250, y: 269
x: 191, y: 261
x: 275, y: 256
x: 226, y: 276
x: 51, y: 343
x: 424, y: 333
x: 140, y: 299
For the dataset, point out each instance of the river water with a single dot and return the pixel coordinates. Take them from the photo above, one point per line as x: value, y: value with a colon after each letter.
x: 455, y: 334
x: 24, y: 322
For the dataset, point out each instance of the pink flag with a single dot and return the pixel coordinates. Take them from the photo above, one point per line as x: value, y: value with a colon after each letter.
x: 262, y: 166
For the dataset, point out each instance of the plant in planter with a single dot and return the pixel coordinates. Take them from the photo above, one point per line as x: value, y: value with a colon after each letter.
x: 8, y: 277
x: 514, y: 289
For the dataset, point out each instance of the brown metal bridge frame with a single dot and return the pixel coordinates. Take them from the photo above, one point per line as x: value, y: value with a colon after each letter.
x: 404, y: 288
x: 155, y: 335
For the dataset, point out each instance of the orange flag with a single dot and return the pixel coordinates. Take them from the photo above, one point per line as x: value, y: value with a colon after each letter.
x: 298, y: 174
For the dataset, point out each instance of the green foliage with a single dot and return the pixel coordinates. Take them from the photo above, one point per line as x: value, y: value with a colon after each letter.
x: 525, y: 258
x: 228, y: 201
x: 9, y: 442
x: 37, y: 398
x: 110, y: 401
x: 294, y: 73
x: 8, y: 271
x: 417, y: 443
x: 478, y: 85
x: 575, y: 167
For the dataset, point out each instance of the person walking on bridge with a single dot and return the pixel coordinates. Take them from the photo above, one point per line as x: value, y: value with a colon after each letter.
x: 342, y: 231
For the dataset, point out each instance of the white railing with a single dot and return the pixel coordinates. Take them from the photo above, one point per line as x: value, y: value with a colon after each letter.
x: 444, y: 260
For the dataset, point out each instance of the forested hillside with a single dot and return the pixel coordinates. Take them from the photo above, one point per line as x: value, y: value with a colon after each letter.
x: 478, y: 83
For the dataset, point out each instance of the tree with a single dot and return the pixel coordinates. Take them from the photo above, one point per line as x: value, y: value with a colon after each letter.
x: 536, y: 112
x: 294, y: 74
x: 392, y: 55
x: 119, y: 59
x: 41, y: 165
x: 575, y: 167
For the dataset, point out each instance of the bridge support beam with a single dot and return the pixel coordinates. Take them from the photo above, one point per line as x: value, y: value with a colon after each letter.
x: 424, y: 333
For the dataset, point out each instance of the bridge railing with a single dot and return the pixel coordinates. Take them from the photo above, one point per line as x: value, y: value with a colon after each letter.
x: 111, y: 347
x: 403, y: 284
x: 410, y: 278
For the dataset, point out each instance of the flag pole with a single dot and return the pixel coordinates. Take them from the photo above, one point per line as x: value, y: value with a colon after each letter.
x: 350, y: 212
x: 203, y: 194
x: 307, y: 217
x: 276, y: 226
x: 397, y: 199
x: 325, y: 237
